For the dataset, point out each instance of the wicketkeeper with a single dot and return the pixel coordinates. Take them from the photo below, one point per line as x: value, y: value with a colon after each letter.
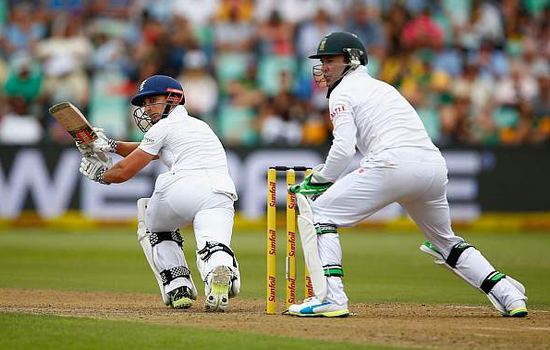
x: 400, y: 164
x: 196, y: 190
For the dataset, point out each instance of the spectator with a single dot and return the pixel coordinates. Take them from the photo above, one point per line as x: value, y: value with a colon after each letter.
x: 64, y: 80
x: 18, y: 126
x: 455, y: 122
x: 280, y: 120
x: 395, y: 20
x: 200, y: 87
x: 233, y: 30
x: 24, y: 29
x: 516, y: 88
x: 492, y: 61
x: 422, y: 31
x: 198, y: 12
x: 365, y: 22
x: 275, y: 36
x: 541, y: 106
x: 289, y: 10
x: 452, y: 58
x: 484, y: 23
x: 24, y: 80
x: 480, y: 91
x: 68, y: 39
x: 308, y: 35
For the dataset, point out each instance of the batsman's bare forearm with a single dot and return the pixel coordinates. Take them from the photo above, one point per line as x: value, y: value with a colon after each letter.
x: 128, y: 167
x: 124, y: 148
x: 116, y: 174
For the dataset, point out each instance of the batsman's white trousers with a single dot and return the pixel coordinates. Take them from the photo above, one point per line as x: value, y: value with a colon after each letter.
x: 198, y: 198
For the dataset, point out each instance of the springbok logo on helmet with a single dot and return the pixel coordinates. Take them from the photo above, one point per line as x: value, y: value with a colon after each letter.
x: 322, y: 44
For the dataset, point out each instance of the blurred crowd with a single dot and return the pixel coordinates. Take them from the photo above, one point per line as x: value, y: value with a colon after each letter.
x: 478, y: 71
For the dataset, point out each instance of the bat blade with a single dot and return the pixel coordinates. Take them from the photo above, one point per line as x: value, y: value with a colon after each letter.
x: 76, y: 124
x: 70, y: 117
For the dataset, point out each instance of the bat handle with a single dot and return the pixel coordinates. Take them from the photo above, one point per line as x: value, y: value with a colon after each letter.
x: 102, y: 156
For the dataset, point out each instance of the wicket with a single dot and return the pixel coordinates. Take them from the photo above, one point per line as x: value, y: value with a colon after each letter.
x: 290, y: 259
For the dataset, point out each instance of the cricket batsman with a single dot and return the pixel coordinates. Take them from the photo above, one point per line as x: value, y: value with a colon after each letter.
x: 399, y: 164
x: 197, y: 190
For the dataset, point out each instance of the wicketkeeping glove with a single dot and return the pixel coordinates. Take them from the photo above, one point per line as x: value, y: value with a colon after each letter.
x: 313, y: 185
x: 93, y: 169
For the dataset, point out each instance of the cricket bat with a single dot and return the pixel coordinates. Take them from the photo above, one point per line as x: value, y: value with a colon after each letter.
x: 76, y: 124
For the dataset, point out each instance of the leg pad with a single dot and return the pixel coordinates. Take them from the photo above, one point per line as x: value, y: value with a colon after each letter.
x: 490, y: 281
x: 456, y: 252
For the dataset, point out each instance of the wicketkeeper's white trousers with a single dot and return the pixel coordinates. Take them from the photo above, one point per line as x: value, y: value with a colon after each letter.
x: 414, y: 178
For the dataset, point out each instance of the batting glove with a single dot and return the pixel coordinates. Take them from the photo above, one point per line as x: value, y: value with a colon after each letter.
x: 313, y: 185
x: 103, y: 144
x: 93, y: 169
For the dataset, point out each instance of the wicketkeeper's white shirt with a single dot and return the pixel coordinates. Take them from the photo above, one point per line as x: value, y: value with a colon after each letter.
x: 373, y: 116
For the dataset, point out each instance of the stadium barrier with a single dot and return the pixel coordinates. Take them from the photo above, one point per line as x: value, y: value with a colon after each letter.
x: 488, y: 188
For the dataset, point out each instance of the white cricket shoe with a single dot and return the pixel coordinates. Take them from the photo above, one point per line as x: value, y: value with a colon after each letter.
x: 217, y: 298
x: 313, y: 307
x: 508, y: 296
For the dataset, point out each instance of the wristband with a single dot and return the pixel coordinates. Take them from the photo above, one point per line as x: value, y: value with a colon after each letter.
x: 113, y: 144
x: 100, y: 176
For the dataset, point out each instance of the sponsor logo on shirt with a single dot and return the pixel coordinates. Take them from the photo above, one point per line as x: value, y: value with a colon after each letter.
x: 337, y: 110
x: 148, y: 140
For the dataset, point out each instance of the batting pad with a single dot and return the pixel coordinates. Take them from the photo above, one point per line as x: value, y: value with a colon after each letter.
x: 471, y: 262
x: 155, y: 260
x: 308, y: 236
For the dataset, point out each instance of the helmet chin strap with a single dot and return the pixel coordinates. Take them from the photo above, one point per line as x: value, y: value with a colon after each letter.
x: 169, y: 107
x: 349, y: 67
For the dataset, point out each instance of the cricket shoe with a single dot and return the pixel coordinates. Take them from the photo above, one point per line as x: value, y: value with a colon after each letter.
x: 181, y: 298
x: 313, y: 307
x: 217, y: 298
x: 508, y: 296
x: 517, y: 309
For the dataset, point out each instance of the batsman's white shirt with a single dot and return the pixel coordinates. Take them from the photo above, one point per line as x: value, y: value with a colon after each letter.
x: 188, y: 146
x: 197, y: 188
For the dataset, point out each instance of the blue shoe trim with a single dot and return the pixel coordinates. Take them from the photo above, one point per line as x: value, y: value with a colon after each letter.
x: 311, y: 309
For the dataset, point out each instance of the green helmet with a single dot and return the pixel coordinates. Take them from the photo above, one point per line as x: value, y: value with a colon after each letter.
x: 343, y: 43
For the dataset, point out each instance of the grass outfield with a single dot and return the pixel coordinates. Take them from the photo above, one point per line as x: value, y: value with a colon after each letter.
x: 52, y: 332
x: 379, y: 267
